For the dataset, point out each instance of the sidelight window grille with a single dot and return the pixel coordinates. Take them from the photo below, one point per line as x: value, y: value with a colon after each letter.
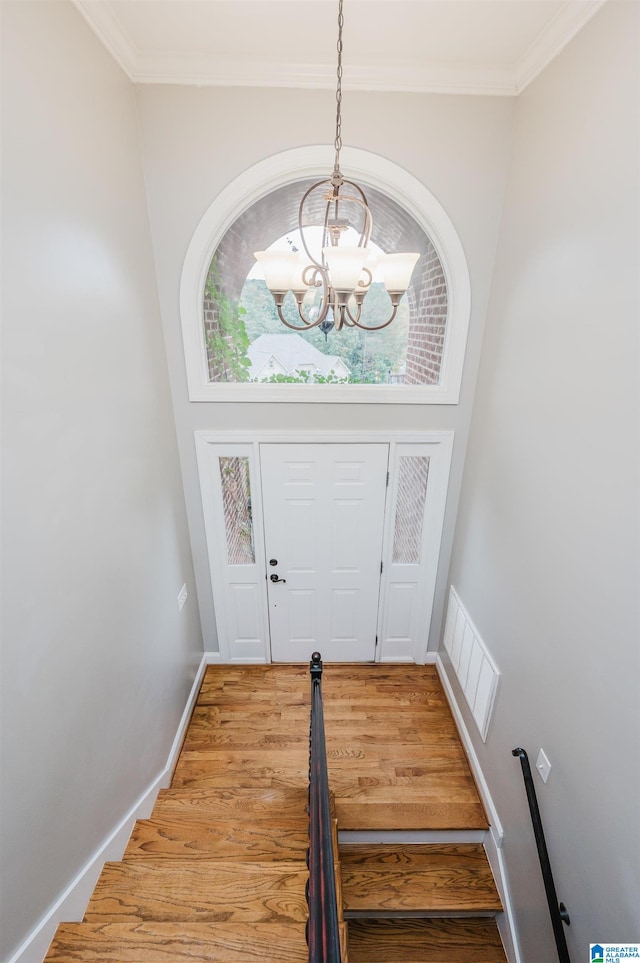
x: 413, y: 476
x: 236, y: 503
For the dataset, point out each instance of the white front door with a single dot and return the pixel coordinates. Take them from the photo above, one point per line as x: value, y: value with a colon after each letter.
x: 324, y: 510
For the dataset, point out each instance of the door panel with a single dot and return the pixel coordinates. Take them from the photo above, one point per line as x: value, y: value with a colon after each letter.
x: 233, y: 525
x: 324, y: 521
x: 415, y: 513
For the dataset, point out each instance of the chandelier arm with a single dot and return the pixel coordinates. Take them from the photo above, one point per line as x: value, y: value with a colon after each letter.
x: 315, y: 272
x: 326, y: 237
x: 377, y: 327
x: 301, y: 226
x: 305, y: 326
x: 325, y: 298
x: 365, y: 235
x: 351, y: 319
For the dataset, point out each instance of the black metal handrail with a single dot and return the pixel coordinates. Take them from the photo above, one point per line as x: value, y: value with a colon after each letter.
x: 323, y: 935
x: 557, y: 911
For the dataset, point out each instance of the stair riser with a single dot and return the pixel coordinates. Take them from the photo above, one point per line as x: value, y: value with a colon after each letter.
x: 425, y: 941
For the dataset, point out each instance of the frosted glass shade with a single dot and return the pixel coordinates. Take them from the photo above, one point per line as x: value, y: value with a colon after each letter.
x: 278, y: 268
x: 345, y: 266
x: 299, y: 265
x: 397, y: 270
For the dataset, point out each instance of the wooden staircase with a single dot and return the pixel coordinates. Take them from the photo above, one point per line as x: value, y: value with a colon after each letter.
x: 218, y: 872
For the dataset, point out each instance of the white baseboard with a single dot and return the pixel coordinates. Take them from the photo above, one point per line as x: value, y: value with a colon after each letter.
x: 72, y: 903
x: 506, y: 920
x: 494, y: 838
x: 428, y: 659
x: 215, y: 658
x: 176, y: 746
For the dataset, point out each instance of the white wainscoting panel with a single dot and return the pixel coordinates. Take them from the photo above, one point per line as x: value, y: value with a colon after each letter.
x: 475, y: 669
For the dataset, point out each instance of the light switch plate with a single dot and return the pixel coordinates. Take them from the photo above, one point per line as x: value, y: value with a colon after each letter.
x: 543, y: 765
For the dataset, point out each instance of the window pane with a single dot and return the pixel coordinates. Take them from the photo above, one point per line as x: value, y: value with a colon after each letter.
x: 247, y: 342
x: 412, y: 493
x: 236, y: 501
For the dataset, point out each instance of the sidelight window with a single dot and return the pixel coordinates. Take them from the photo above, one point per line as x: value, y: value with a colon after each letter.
x: 236, y: 505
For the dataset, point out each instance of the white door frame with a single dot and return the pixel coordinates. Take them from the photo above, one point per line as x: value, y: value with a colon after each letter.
x: 253, y: 646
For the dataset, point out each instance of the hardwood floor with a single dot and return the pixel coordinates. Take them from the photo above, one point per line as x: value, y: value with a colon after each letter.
x: 218, y: 872
x: 410, y: 770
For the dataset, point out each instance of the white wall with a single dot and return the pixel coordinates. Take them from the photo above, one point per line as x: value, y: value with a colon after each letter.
x: 97, y: 663
x: 546, y: 548
x: 196, y: 141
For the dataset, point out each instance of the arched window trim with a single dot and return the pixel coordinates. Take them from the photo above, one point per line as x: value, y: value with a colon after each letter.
x: 298, y: 164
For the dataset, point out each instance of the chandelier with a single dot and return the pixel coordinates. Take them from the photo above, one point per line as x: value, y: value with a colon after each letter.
x: 330, y: 287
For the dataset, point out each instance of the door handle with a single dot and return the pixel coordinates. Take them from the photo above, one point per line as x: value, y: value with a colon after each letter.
x: 274, y: 578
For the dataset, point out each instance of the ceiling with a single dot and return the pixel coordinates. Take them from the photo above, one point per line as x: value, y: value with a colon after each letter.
x: 447, y: 46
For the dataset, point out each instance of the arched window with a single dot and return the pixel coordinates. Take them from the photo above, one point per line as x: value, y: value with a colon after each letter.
x: 236, y: 347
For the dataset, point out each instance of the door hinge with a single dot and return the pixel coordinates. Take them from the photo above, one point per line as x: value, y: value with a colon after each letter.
x: 387, y: 479
x: 381, y: 568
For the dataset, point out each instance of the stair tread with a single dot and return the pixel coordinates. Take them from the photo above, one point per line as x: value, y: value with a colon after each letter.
x: 427, y: 758
x: 204, y: 776
x: 279, y: 736
x: 238, y: 802
x: 430, y: 878
x: 280, y: 941
x: 425, y: 941
x: 199, y: 890
x: 245, y: 767
x: 218, y: 872
x: 199, y: 837
x: 238, y: 738
x: 337, y: 712
x: 261, y: 695
x: 241, y: 758
x: 359, y: 782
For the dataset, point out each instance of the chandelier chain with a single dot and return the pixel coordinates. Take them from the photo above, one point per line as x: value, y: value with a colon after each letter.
x: 338, y: 141
x: 341, y: 274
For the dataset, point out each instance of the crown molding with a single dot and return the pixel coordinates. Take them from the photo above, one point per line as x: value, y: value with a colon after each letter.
x: 504, y: 80
x: 108, y: 30
x: 559, y: 32
x: 227, y: 72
